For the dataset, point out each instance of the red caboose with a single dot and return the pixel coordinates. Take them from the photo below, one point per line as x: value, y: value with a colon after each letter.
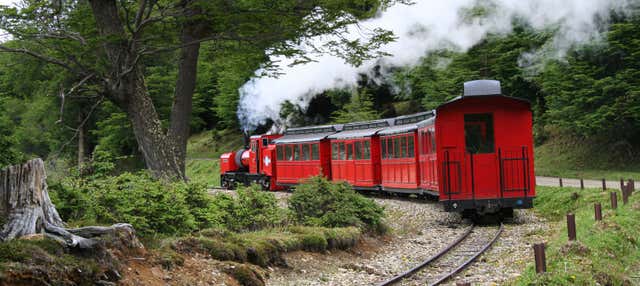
x: 484, y: 147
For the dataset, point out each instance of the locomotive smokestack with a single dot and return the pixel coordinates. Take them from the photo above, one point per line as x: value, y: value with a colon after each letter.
x: 245, y: 134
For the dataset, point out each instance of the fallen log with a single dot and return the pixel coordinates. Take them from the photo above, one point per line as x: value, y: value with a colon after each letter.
x: 26, y: 209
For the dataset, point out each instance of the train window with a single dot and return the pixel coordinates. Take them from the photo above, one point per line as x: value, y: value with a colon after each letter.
x: 305, y: 152
x: 287, y: 153
x: 367, y: 150
x: 410, y: 150
x: 390, y: 148
x: 265, y: 142
x: 342, y: 154
x: 478, y: 133
x: 403, y: 147
x: 383, y: 145
x: 296, y: 152
x: 315, y: 152
x: 334, y: 151
x: 280, y: 152
x: 349, y: 151
x: 396, y: 147
x: 358, y: 150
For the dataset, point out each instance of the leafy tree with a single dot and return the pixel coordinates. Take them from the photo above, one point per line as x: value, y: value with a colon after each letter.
x: 8, y: 143
x: 359, y: 108
x: 107, y: 45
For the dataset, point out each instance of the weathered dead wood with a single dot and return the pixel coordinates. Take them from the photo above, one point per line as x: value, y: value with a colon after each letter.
x: 26, y: 209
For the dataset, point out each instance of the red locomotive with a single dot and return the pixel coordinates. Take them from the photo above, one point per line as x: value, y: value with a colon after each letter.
x: 475, y: 153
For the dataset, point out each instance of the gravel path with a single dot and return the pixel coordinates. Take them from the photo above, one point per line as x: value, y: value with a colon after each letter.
x: 575, y: 183
x: 420, y: 229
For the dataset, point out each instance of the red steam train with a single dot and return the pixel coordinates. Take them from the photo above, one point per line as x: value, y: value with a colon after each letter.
x: 475, y: 153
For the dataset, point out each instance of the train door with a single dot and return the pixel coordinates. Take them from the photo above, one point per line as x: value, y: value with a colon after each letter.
x: 254, y: 156
x: 481, y: 152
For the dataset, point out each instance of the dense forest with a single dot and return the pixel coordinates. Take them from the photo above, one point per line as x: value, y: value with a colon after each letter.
x: 65, y: 112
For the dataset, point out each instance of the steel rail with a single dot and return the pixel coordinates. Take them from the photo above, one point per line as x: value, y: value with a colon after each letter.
x: 470, y: 260
x: 429, y: 260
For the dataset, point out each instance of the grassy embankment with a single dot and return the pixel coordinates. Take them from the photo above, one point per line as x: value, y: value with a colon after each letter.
x: 606, y: 252
x: 203, y: 153
x: 573, y: 158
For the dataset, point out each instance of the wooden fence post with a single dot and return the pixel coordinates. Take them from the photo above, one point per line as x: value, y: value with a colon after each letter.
x: 571, y: 226
x: 541, y: 260
x: 598, y: 210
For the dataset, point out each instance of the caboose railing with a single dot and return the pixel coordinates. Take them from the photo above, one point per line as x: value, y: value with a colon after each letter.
x: 447, y: 166
x: 514, y: 171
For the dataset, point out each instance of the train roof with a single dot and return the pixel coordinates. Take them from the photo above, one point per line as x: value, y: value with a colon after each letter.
x: 407, y: 123
x: 361, y: 129
x: 482, y: 88
x: 308, y: 134
x: 429, y: 121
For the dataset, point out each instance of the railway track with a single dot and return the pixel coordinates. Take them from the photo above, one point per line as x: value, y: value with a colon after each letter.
x: 450, y: 260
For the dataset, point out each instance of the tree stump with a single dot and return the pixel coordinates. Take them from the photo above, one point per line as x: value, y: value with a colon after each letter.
x: 26, y: 209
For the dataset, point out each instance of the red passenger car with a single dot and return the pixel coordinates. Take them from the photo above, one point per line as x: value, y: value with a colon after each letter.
x: 355, y: 154
x: 399, y: 167
x: 302, y: 153
x: 485, y: 150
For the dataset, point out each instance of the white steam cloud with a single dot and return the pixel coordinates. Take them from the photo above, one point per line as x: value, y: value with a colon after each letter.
x: 421, y: 28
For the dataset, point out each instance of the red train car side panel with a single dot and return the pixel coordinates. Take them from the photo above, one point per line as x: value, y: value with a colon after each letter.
x: 399, y: 164
x: 356, y: 161
x: 428, y: 156
x: 302, y: 153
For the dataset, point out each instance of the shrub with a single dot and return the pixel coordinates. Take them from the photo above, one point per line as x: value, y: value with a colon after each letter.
x: 155, y: 207
x: 319, y: 202
x: 252, y: 209
x: 151, y: 206
x: 256, y: 209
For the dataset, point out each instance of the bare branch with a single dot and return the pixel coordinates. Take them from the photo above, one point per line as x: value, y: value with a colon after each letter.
x: 140, y: 13
x: 63, y: 95
x: 40, y: 57
x: 84, y: 121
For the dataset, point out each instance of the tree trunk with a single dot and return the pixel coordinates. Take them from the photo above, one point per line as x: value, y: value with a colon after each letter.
x: 25, y: 208
x: 164, y: 152
x: 159, y: 151
x: 81, y: 141
x: 183, y: 97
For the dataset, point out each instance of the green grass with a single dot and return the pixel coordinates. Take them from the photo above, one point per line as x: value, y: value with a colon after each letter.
x: 204, y: 171
x: 211, y: 144
x: 203, y: 153
x: 607, y: 252
x: 588, y: 159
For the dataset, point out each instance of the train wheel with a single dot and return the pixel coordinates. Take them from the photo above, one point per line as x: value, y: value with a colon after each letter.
x: 266, y: 184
